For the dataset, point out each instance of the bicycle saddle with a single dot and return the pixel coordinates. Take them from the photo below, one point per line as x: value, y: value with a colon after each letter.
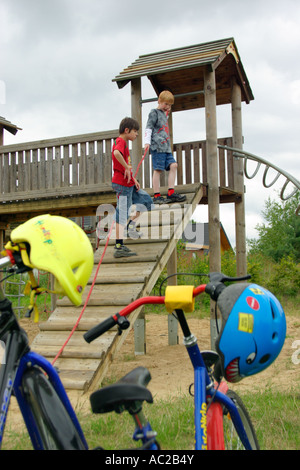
x: 128, y: 391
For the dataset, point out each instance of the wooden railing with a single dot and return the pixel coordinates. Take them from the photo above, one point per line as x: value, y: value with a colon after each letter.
x: 82, y: 161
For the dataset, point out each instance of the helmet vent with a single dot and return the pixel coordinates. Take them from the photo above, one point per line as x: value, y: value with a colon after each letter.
x: 264, y: 359
x: 273, y: 311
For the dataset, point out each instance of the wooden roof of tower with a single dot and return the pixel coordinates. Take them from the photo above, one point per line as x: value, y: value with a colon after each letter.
x: 7, y: 125
x: 180, y: 71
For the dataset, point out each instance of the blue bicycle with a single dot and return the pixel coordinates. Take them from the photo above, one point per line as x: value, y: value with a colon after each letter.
x: 251, y: 337
x: 57, y: 245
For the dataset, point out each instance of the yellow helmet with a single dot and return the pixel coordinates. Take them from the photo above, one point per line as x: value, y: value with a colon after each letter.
x: 61, y: 247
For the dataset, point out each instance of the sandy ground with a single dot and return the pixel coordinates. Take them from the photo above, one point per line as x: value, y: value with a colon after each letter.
x: 170, y: 367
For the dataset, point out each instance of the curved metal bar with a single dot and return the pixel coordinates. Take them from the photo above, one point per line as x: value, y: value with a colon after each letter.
x: 259, y: 160
x: 265, y: 178
x: 285, y: 198
x: 255, y: 171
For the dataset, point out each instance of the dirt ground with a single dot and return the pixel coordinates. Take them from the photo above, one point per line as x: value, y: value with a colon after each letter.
x: 170, y: 367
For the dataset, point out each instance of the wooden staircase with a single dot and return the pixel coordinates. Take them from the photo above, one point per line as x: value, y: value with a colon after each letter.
x: 82, y: 366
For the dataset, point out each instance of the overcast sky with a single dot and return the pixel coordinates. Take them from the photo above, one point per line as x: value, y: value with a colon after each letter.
x: 58, y: 59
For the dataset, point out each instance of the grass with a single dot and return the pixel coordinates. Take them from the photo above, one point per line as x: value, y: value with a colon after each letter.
x: 275, y: 417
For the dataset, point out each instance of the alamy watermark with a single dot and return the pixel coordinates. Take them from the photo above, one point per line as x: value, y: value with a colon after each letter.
x: 296, y: 354
x: 153, y: 224
x: 2, y: 353
x: 2, y: 92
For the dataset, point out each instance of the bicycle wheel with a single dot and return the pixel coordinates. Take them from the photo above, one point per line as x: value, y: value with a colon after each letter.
x: 231, y: 438
x: 55, y: 426
x: 221, y: 433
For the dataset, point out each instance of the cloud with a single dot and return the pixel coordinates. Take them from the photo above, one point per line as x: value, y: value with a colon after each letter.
x: 58, y: 59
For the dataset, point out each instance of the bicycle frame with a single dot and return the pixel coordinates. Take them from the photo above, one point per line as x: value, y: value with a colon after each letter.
x: 204, y: 388
x: 204, y: 391
x: 12, y: 373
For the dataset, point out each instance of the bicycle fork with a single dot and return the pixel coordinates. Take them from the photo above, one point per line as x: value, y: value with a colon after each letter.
x: 203, y: 387
x: 200, y: 383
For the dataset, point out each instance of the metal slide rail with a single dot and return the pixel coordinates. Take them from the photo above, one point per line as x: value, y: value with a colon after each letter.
x: 260, y: 161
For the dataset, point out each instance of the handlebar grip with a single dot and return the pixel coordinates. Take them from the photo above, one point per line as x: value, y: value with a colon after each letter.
x: 98, y: 330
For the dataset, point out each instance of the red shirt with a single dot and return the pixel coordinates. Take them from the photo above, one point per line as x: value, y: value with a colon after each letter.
x: 118, y: 169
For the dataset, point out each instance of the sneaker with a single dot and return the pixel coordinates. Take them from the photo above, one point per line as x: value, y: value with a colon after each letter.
x: 161, y: 200
x: 121, y: 251
x: 175, y: 197
x: 132, y: 232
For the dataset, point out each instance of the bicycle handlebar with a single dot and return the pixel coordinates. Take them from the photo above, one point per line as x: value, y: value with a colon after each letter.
x: 213, y: 288
x: 118, y: 318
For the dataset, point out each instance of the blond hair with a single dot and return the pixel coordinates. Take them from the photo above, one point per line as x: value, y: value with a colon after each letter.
x: 166, y: 97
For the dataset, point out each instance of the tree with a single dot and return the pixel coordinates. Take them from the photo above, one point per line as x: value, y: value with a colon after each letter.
x: 280, y: 236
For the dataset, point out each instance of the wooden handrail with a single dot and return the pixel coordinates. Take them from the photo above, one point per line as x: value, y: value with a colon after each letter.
x: 82, y: 161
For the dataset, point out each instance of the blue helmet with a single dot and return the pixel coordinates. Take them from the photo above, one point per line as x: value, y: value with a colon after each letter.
x: 253, y: 330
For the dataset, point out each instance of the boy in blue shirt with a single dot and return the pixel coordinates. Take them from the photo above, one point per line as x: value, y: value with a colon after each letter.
x: 157, y: 139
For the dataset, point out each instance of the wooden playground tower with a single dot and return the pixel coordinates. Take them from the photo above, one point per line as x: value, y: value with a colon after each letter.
x: 205, y: 75
x: 71, y: 176
x: 208, y: 75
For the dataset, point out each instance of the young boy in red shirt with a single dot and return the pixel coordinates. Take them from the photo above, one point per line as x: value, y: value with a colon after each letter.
x: 127, y: 187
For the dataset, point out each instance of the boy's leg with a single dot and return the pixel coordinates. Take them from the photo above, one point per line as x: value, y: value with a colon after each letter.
x: 172, y: 175
x: 120, y: 250
x: 143, y: 203
x: 124, y: 198
x: 172, y: 196
x: 158, y: 198
x: 158, y: 162
x: 156, y: 181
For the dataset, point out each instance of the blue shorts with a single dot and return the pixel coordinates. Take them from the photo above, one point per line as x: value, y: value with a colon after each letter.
x: 162, y: 161
x: 126, y: 197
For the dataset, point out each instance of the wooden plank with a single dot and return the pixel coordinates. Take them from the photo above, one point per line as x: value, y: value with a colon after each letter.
x: 60, y: 141
x: 91, y: 311
x: 116, y: 294
x: 76, y: 380
x: 188, y: 162
x: 75, y: 164
x: 71, y: 352
x: 179, y: 161
x: 56, y: 339
x: 66, y: 166
x: 42, y: 170
x: 196, y: 164
x: 21, y: 172
x: 67, y: 364
x: 49, y: 168
x: 116, y: 272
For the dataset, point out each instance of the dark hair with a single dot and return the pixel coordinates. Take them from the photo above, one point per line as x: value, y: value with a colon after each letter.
x: 128, y: 123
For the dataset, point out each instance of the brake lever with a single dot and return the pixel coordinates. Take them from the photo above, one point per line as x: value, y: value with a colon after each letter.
x: 216, y: 284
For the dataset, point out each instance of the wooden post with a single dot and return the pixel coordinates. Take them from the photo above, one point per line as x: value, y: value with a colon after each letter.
x: 240, y: 224
x: 136, y: 113
x: 172, y: 322
x: 213, y: 184
x: 136, y: 155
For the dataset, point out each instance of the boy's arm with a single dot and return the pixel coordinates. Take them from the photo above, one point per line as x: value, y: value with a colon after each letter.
x: 148, y: 134
x: 152, y: 119
x: 120, y: 158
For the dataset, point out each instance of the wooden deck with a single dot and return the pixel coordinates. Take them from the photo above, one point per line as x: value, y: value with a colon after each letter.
x: 82, y: 366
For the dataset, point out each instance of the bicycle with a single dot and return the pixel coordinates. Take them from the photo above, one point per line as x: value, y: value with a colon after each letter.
x: 49, y: 417
x: 214, y: 402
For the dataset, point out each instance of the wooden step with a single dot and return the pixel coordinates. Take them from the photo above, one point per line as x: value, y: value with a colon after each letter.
x: 82, y: 366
